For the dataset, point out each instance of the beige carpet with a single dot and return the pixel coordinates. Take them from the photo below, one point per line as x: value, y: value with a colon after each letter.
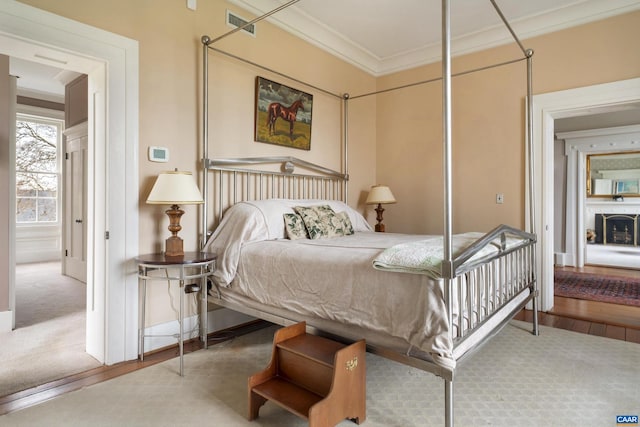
x: 49, y: 340
x: 572, y: 380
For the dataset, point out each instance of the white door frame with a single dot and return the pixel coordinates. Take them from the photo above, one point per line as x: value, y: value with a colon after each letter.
x: 546, y: 109
x: 111, y: 62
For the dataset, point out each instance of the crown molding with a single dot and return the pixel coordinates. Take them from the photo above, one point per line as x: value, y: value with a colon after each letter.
x: 318, y: 34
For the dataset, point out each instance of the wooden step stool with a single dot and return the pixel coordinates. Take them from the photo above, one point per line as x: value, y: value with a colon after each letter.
x: 313, y: 377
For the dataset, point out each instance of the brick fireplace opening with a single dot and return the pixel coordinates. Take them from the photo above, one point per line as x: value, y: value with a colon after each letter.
x: 617, y: 229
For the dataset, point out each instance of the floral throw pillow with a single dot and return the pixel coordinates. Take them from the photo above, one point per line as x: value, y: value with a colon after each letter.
x: 321, y: 221
x: 346, y: 223
x: 294, y: 227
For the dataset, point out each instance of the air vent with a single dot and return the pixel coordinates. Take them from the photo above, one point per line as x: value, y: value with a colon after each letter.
x: 235, y: 21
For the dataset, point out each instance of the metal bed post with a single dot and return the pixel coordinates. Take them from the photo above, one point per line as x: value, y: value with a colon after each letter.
x: 446, y: 131
x: 528, y: 53
x: 205, y: 137
x: 345, y: 147
x: 532, y: 215
x: 204, y: 291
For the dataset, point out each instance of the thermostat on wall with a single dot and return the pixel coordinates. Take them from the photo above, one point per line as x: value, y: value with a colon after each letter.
x: 159, y: 154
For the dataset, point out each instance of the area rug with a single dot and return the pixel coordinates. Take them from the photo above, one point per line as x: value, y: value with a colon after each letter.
x: 559, y: 378
x: 612, y: 289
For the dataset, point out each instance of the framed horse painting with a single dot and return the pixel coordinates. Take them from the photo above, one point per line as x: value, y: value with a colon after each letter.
x: 283, y: 115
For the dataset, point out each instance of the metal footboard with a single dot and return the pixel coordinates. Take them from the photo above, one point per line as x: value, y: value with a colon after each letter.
x: 483, y: 286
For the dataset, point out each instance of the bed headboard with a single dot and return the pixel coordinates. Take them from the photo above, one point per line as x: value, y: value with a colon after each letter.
x: 235, y: 180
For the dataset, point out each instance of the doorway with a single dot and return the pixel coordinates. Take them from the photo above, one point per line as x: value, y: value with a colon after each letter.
x: 547, y: 108
x: 111, y: 63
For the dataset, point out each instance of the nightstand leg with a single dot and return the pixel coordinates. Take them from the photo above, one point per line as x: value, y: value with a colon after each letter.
x: 204, y: 320
x: 142, y: 320
x: 181, y: 337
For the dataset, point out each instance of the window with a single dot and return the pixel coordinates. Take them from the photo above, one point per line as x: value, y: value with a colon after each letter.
x: 38, y: 142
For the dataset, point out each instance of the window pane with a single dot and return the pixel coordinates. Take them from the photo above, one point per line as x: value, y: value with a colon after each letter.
x: 26, y: 182
x: 36, y: 146
x: 26, y: 210
x: 47, y: 210
x: 47, y: 182
x: 25, y: 192
x: 47, y: 194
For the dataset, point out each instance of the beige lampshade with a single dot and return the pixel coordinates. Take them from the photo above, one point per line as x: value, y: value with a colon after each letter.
x: 175, y: 188
x: 380, y: 194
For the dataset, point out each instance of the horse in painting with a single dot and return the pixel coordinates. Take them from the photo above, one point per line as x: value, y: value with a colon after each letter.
x: 277, y: 110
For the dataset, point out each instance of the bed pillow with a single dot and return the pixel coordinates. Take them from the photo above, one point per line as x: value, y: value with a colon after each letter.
x: 346, y: 223
x: 294, y: 227
x: 269, y: 213
x: 321, y: 221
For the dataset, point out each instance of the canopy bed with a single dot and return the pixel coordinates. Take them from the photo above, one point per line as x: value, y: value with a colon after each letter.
x: 426, y: 301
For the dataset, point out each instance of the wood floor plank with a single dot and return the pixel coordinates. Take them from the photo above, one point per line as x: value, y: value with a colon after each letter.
x: 632, y: 335
x: 581, y: 326
x: 598, y: 329
x: 615, y: 332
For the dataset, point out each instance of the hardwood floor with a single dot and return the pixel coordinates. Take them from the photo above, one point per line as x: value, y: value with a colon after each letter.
x: 588, y: 317
x: 593, y: 317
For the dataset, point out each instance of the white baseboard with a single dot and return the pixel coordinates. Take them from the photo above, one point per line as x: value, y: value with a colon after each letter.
x: 219, y: 319
x: 559, y: 259
x: 6, y: 321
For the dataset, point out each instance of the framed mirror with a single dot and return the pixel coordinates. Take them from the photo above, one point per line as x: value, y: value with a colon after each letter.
x: 613, y: 174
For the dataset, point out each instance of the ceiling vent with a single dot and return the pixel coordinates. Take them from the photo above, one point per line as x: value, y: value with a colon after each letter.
x: 235, y: 21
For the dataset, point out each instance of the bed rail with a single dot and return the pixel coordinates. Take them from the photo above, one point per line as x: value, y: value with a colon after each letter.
x: 462, y: 263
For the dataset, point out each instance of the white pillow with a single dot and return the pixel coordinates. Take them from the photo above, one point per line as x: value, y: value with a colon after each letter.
x: 272, y: 211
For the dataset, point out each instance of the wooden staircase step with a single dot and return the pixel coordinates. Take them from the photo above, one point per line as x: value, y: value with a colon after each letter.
x: 288, y: 395
x: 318, y: 349
x: 301, y: 378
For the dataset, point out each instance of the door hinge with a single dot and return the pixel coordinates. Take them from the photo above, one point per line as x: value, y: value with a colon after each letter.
x: 66, y: 156
x: 66, y: 252
x: 106, y: 235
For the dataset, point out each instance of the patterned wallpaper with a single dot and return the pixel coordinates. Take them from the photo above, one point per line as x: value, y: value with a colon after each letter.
x: 609, y: 163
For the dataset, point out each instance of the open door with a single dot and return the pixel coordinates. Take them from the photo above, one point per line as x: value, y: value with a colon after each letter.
x: 75, y: 202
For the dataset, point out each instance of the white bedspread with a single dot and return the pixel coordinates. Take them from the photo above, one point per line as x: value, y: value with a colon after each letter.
x: 334, y: 279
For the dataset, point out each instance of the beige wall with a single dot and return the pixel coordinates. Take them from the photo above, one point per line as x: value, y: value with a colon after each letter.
x: 488, y: 124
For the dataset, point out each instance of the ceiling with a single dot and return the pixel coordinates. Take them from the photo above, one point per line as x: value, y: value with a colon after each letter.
x: 385, y: 36
x: 40, y: 81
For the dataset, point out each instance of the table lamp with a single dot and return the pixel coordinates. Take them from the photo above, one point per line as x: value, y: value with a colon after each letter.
x: 175, y: 188
x: 380, y: 195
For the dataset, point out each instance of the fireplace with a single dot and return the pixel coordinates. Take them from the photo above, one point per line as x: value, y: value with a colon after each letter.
x: 617, y: 229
